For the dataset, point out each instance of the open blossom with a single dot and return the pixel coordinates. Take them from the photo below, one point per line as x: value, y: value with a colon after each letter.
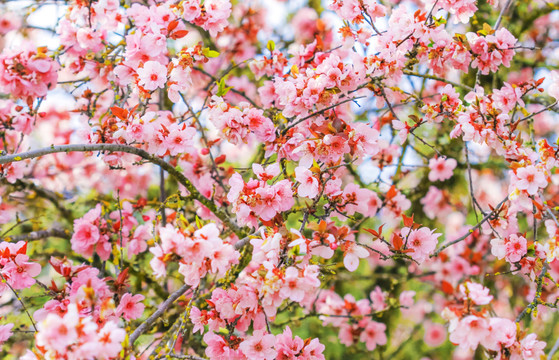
x: 217, y: 13
x: 513, y: 248
x: 422, y: 241
x: 469, y: 332
x: 152, y: 75
x: 75, y: 335
x: 87, y: 237
x: 9, y: 21
x: 462, y: 9
x: 374, y: 334
x: 478, y: 293
x: 200, y: 252
x: 110, y: 338
x: 5, y: 332
x: 15, y: 266
x: 269, y: 180
x: 491, y: 51
x: 435, y: 334
x: 130, y: 306
x: 441, y: 168
x: 309, y: 184
x: 352, y: 253
x: 27, y: 73
x: 259, y: 346
x: 530, y: 178
x: 531, y: 348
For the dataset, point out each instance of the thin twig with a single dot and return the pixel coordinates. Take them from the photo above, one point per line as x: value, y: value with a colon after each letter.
x: 478, y: 225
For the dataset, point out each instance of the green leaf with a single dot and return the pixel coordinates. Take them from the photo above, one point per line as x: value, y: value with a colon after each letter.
x: 222, y: 90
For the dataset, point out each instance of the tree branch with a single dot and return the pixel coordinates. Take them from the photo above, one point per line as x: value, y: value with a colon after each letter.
x: 179, y: 176
x: 38, y: 235
x: 433, y: 77
x: 150, y: 320
x: 477, y: 226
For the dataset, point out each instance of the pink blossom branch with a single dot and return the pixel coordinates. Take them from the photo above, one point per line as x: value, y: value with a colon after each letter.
x: 195, y: 194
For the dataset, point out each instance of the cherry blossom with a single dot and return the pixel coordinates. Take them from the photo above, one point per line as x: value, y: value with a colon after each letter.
x: 441, y: 169
x: 278, y: 180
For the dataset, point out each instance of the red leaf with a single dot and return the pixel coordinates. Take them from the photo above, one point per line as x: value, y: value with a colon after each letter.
x: 22, y: 250
x: 391, y: 193
x: 179, y: 34
x: 373, y: 232
x: 119, y: 112
x: 172, y: 25
x: 408, y: 221
x: 220, y: 159
x: 447, y: 287
x: 397, y: 242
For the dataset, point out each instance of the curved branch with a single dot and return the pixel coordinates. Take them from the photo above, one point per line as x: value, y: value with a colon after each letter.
x: 195, y: 194
x: 150, y: 320
x: 38, y: 235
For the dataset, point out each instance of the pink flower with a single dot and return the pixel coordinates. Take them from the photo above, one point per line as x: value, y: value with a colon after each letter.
x: 218, y: 348
x: 294, y: 288
x: 14, y: 171
x: 502, y: 332
x: 530, y: 178
x: 435, y: 334
x: 27, y: 73
x: 9, y: 21
x: 463, y: 9
x: 179, y: 139
x: 20, y: 272
x: 198, y: 320
x: 218, y: 12
x: 110, y: 340
x: 423, y: 241
x: 531, y: 348
x: 469, y: 332
x: 130, y: 306
x: 5, y: 332
x: 406, y: 298
x: 378, y: 299
x: 478, y: 293
x: 259, y: 346
x: 373, y: 335
x: 85, y: 236
x: 57, y: 332
x: 313, y: 350
x: 271, y: 171
x: 441, y: 168
x: 515, y: 248
x: 309, y: 184
x: 287, y: 346
x: 152, y: 76
x: 352, y: 254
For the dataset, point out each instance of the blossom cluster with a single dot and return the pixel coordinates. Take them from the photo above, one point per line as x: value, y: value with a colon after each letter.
x: 297, y: 180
